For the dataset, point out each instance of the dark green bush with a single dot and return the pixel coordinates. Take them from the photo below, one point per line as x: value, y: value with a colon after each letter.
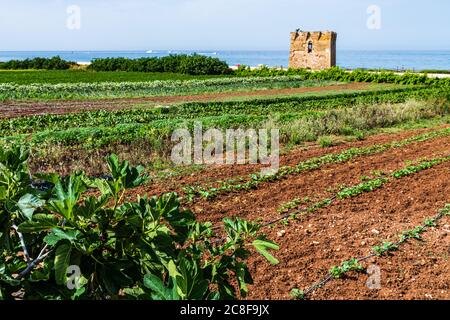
x: 185, y: 64
x: 55, y: 63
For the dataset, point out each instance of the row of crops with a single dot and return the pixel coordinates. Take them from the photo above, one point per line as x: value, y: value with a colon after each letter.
x: 100, y: 128
x: 253, y: 181
x: 386, y: 247
x: 197, y: 110
x: 357, y: 75
x: 83, y: 90
x: 245, y: 80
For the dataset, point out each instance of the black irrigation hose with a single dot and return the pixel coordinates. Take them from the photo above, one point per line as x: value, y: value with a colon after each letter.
x: 329, y: 277
x: 45, y: 185
x: 269, y: 223
x: 287, y: 215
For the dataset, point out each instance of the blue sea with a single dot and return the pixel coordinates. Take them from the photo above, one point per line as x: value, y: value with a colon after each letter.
x: 348, y: 59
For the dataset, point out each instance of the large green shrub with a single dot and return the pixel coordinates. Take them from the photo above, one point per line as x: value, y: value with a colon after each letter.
x: 55, y: 63
x: 83, y: 238
x: 185, y: 64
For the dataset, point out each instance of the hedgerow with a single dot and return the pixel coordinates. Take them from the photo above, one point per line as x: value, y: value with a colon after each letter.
x: 55, y: 63
x: 184, y: 64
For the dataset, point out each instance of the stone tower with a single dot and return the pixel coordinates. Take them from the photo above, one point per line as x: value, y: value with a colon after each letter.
x: 313, y: 50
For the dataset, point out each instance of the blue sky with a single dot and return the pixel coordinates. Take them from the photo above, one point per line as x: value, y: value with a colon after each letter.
x: 220, y: 24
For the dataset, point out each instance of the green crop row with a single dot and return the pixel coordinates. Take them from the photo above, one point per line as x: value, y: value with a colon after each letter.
x: 9, y: 91
x: 254, y: 180
x: 416, y: 168
x: 354, y: 264
x: 354, y: 191
x: 253, y: 108
x: 25, y: 77
x: 338, y: 74
x: 12, y: 91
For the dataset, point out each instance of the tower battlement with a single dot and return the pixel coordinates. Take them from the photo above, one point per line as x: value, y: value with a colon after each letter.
x: 315, y: 50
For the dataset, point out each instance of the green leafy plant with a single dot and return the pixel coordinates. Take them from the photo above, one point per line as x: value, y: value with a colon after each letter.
x: 149, y: 248
x: 297, y: 294
x: 416, y: 168
x: 384, y: 248
x: 367, y: 186
x: 338, y: 272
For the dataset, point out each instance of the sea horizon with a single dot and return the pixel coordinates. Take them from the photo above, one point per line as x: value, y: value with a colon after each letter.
x: 346, y: 58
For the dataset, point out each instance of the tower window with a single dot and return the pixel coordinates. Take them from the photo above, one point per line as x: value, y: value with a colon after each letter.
x: 310, y: 47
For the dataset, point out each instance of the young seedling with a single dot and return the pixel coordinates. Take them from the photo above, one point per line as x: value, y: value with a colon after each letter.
x: 385, y: 248
x: 429, y: 223
x: 297, y: 294
x: 338, y: 272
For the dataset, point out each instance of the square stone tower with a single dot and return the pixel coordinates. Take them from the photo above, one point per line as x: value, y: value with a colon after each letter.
x: 313, y: 50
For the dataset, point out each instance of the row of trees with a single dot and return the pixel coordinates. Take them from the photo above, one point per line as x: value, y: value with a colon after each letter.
x: 184, y: 64
x: 55, y: 63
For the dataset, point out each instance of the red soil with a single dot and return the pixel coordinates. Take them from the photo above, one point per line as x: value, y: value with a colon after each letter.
x: 347, y: 228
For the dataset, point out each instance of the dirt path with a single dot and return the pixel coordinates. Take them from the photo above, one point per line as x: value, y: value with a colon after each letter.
x: 12, y: 109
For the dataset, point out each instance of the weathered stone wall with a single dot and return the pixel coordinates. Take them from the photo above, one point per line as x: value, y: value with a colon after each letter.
x: 313, y: 50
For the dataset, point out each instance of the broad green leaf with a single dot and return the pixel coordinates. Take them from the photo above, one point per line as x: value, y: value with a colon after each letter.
x: 57, y: 235
x: 262, y: 247
x: 113, y: 277
x: 66, y: 194
x: 62, y: 259
x: 40, y: 222
x: 28, y: 204
x: 157, y: 286
x: 3, y: 193
x: 173, y: 272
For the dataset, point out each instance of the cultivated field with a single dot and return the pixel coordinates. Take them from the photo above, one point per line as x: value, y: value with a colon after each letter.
x: 363, y: 184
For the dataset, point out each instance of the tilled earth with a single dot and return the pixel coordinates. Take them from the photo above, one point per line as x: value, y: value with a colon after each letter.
x: 348, y: 228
